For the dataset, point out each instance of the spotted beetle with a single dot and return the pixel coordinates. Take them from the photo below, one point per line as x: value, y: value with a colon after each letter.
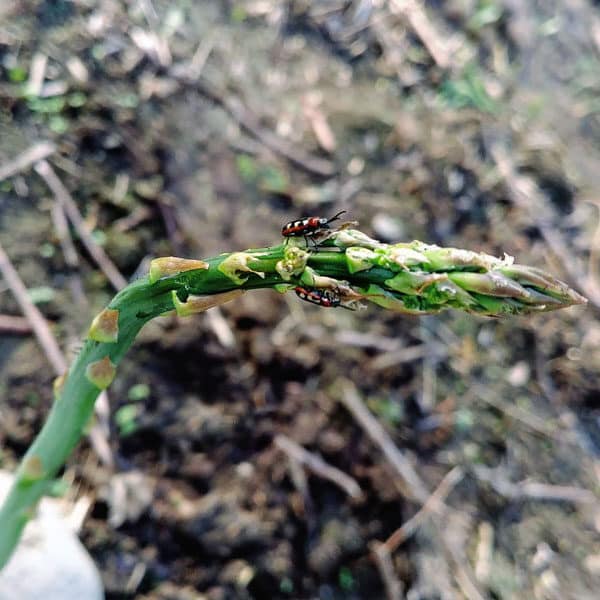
x: 322, y: 297
x: 308, y: 227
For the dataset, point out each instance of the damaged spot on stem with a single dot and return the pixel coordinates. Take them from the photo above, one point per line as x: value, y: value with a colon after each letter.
x: 401, y: 256
x: 345, y: 238
x: 236, y: 263
x: 105, y: 327
x: 33, y: 469
x: 293, y: 263
x: 360, y: 259
x: 197, y: 304
x: 172, y: 265
x: 311, y: 278
x: 385, y: 299
x: 101, y: 373
x: 58, y: 384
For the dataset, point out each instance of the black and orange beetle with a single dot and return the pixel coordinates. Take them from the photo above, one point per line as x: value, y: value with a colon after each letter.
x: 322, y: 297
x: 308, y: 226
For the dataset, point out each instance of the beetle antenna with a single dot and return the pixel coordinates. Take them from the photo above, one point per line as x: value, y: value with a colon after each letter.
x: 336, y: 216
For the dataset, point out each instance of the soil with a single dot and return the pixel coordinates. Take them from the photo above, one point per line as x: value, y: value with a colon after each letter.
x: 163, y: 114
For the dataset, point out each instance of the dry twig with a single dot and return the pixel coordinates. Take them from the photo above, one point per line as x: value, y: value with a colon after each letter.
x: 484, y: 552
x: 33, y: 315
x: 62, y: 195
x: 318, y: 466
x: 250, y: 122
x: 416, y: 487
x: 37, y: 73
x: 419, y: 22
x: 530, y: 420
x: 246, y: 119
x: 61, y: 227
x: 532, y: 490
x: 397, y: 357
x: 383, y: 561
x: 16, y: 325
x: 23, y: 161
x: 433, y: 504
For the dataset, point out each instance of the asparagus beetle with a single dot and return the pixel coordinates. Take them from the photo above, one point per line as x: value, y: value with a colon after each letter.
x: 322, y: 297
x: 308, y: 226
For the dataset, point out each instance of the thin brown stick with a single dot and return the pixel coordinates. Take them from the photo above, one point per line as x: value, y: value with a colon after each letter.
x: 247, y: 120
x: 433, y: 504
x: 399, y: 356
x: 318, y: 466
x: 533, y: 490
x: 560, y: 493
x: 221, y: 328
x: 62, y: 195
x: 484, y: 552
x: 463, y: 574
x: 593, y: 270
x: 417, y: 489
x: 26, y: 159
x: 250, y: 122
x: 419, y: 22
x: 525, y: 417
x: 33, y: 315
x: 16, y: 325
x: 61, y: 227
x: 383, y: 561
x: 37, y: 73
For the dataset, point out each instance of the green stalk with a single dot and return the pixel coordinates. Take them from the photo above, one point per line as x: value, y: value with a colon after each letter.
x: 410, y: 278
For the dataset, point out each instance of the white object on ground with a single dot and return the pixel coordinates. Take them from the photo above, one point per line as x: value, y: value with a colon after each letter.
x: 50, y: 562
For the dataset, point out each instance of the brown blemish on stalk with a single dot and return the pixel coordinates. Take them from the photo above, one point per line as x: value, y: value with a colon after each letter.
x: 105, y: 326
x: 101, y: 373
x: 172, y: 265
x: 239, y: 262
x: 198, y: 304
x: 58, y: 385
x: 33, y: 470
x: 293, y: 263
x: 28, y: 513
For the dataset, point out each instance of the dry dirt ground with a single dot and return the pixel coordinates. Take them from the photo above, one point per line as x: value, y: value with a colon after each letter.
x: 192, y: 128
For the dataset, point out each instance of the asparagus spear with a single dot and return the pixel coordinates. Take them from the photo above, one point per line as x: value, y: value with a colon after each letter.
x: 412, y: 278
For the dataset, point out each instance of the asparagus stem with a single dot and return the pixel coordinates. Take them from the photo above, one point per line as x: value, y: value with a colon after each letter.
x: 412, y: 278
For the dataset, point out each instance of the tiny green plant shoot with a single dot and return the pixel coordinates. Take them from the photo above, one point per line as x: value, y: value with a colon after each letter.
x: 342, y: 267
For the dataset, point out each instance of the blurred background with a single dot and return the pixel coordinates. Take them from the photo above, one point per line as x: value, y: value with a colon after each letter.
x: 135, y: 129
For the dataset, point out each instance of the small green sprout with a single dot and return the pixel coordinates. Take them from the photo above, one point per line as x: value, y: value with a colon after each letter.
x: 126, y: 419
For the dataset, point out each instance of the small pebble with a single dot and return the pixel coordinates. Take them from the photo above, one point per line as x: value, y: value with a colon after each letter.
x: 592, y: 564
x: 356, y: 166
x: 543, y: 557
x: 386, y: 228
x: 518, y: 375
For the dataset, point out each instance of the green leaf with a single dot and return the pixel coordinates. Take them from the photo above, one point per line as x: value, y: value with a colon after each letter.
x: 17, y: 75
x: 126, y: 419
x: 41, y: 294
x: 139, y: 391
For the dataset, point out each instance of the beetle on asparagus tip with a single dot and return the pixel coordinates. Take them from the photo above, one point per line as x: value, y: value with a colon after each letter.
x: 321, y: 297
x: 308, y: 226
